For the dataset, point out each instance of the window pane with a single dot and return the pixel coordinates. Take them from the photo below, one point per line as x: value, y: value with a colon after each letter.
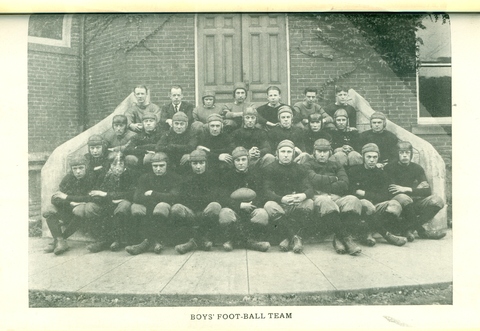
x: 436, y: 41
x: 435, y: 91
x: 46, y: 26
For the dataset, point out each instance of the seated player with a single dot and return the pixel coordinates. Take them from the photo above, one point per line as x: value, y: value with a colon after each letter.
x: 286, y: 130
x: 314, y: 131
x: 380, y: 136
x: 97, y: 157
x: 309, y: 106
x: 335, y: 210
x: 201, y: 113
x: 171, y: 108
x: 253, y: 139
x: 289, y: 196
x: 409, y: 178
x: 178, y: 142
x: 341, y: 101
x: 139, y: 108
x: 268, y: 113
x: 157, y: 190
x: 142, y: 146
x: 69, y: 205
x: 217, y: 144
x: 345, y: 141
x: 233, y: 111
x: 116, y: 140
x: 198, y: 209
x: 241, y: 220
x: 370, y: 184
x: 112, y: 200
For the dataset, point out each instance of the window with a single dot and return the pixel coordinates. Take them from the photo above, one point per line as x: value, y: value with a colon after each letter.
x: 434, y: 77
x: 52, y: 29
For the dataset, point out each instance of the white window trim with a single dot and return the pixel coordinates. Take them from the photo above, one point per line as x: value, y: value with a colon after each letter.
x: 66, y: 36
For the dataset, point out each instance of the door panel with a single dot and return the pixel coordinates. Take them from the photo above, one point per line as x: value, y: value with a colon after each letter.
x: 241, y: 47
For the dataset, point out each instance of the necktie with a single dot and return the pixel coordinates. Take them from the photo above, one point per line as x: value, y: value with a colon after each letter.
x: 176, y: 108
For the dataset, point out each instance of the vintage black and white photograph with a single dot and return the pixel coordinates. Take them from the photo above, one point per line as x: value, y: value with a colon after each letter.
x: 240, y: 160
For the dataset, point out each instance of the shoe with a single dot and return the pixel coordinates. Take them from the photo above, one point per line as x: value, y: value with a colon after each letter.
x: 97, y: 247
x: 284, y: 245
x: 338, y: 246
x: 368, y: 240
x: 187, y: 247
x: 351, y: 246
x: 138, y: 249
x: 409, y: 235
x: 61, y: 247
x: 435, y: 235
x: 261, y: 246
x: 51, y: 247
x: 157, y: 248
x: 395, y: 240
x: 115, y: 246
x: 297, y: 244
x: 207, y: 245
x: 228, y: 246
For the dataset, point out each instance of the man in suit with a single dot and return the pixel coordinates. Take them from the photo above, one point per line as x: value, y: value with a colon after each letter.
x: 177, y: 104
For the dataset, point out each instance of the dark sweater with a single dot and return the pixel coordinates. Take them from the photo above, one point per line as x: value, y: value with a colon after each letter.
x: 281, y: 180
x: 374, y: 182
x: 295, y: 134
x: 410, y: 176
x: 143, y: 142
x: 329, y: 177
x: 311, y: 137
x: 94, y: 162
x: 217, y: 144
x: 197, y: 191
x: 249, y: 138
x: 349, y: 137
x: 302, y: 112
x: 385, y: 140
x: 352, y: 113
x: 267, y: 113
x: 118, y: 187
x: 165, y: 189
x: 233, y: 180
x: 176, y: 145
x: 76, y: 189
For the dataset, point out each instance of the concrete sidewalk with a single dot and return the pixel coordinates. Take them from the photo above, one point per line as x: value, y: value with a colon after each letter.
x: 241, y: 272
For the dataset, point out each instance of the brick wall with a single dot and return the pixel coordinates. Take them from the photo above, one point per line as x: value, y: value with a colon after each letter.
x: 157, y: 51
x: 53, y: 93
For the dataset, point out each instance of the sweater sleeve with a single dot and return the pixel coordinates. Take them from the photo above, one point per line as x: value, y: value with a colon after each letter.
x: 340, y: 185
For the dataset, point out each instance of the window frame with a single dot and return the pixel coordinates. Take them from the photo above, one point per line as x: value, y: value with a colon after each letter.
x: 66, y: 35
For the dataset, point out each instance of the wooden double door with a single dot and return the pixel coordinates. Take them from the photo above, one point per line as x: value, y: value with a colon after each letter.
x: 249, y: 48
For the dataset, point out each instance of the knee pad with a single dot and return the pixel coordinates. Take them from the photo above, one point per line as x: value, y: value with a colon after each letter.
x: 259, y: 216
x: 274, y: 210
x: 226, y: 216
x: 138, y: 210
x: 162, y: 209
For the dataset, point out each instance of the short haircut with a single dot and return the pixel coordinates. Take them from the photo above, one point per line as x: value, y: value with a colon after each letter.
x: 310, y: 89
x: 140, y: 86
x: 341, y: 88
x: 176, y: 87
x: 275, y: 88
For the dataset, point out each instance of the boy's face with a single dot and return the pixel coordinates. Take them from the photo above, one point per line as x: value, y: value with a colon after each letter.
x: 119, y: 129
x: 285, y: 155
x: 179, y: 127
x: 140, y: 95
x: 341, y: 123
x: 310, y: 98
x: 79, y: 171
x: 95, y: 151
x: 241, y: 163
x: 208, y: 102
x: 370, y: 159
x: 249, y: 121
x: 149, y: 124
x: 199, y: 167
x: 176, y: 95
x: 215, y: 128
x: 315, y: 126
x: 159, y: 168
x: 321, y: 156
x: 118, y: 168
x: 404, y: 157
x: 240, y: 95
x: 342, y: 97
x: 285, y: 120
x: 377, y: 125
x: 273, y: 97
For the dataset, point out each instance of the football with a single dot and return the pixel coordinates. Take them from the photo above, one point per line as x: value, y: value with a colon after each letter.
x: 243, y: 194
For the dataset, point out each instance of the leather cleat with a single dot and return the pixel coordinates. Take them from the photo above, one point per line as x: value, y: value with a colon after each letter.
x: 157, y: 248
x: 50, y: 247
x: 138, y: 249
x: 351, y: 246
x: 187, y: 247
x: 61, y: 247
x: 395, y: 240
x: 97, y: 247
x: 409, y: 235
x: 338, y: 245
x: 261, y: 246
x: 228, y: 246
x: 434, y: 235
x: 115, y: 246
x: 207, y: 245
x: 368, y: 240
x: 297, y: 244
x: 284, y: 245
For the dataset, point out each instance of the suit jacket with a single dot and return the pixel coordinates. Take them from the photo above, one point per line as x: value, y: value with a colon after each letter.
x: 168, y: 111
